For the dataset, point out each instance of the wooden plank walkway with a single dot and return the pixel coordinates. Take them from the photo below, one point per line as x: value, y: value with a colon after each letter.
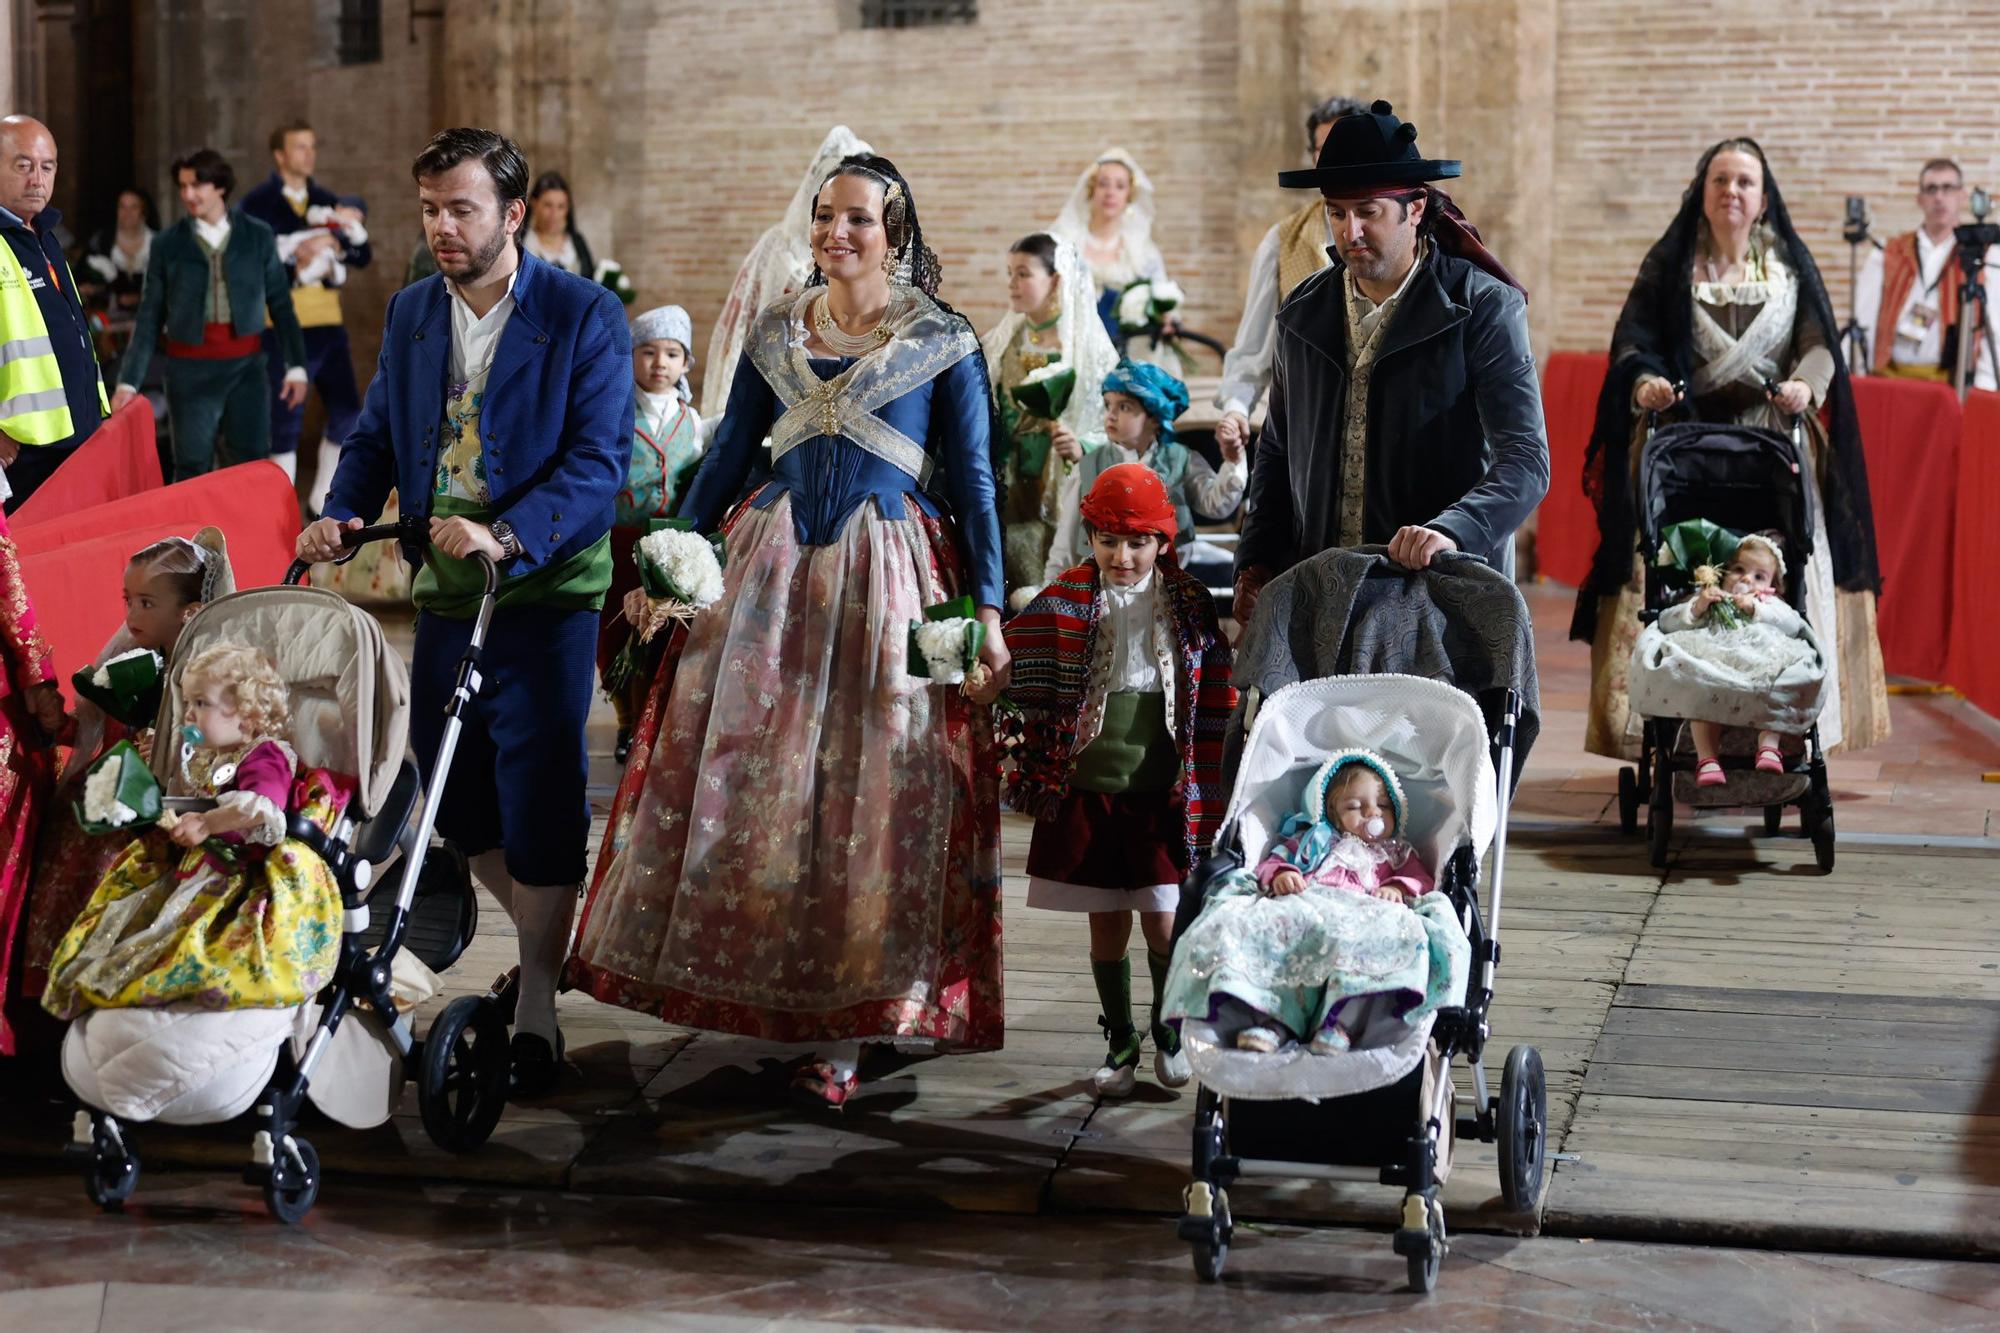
x: 1797, y: 1057
x: 1737, y: 1049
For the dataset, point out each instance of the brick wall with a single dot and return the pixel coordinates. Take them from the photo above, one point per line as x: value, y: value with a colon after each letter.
x: 1846, y: 97
x: 719, y: 108
x: 684, y: 124
x: 226, y: 72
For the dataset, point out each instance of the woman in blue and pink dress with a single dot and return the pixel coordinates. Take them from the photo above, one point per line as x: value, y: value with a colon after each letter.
x: 806, y: 844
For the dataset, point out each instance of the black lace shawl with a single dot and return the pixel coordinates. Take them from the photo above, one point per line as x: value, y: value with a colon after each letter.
x: 1655, y: 335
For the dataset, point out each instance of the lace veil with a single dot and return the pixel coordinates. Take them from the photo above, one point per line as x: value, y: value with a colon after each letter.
x: 778, y: 263
x: 1073, y: 222
x: 1080, y: 333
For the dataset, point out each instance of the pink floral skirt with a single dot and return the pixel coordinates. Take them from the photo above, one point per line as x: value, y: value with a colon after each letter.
x: 806, y: 842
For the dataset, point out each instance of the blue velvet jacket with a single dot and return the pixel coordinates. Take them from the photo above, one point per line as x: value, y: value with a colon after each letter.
x: 266, y: 202
x: 557, y: 414
x: 829, y: 477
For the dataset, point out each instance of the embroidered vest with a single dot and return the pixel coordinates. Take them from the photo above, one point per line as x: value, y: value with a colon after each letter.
x: 1301, y: 248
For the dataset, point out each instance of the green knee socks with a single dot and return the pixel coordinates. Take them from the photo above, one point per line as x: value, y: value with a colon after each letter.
x: 1164, y: 1037
x: 1114, y: 993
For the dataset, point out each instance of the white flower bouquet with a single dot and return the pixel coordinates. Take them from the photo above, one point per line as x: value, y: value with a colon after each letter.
x: 1143, y: 305
x: 679, y: 565
x: 944, y: 646
x: 611, y: 274
x: 126, y: 687
x: 681, y: 573
x: 1045, y: 391
x: 119, y: 791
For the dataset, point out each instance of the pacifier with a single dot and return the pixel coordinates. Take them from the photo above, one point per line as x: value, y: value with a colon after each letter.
x: 1375, y: 827
x: 192, y: 735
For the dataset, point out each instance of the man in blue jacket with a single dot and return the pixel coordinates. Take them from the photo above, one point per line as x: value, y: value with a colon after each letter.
x: 319, y: 239
x: 500, y: 412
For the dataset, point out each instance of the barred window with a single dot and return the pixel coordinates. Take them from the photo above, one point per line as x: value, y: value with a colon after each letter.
x: 360, y: 32
x: 917, y: 13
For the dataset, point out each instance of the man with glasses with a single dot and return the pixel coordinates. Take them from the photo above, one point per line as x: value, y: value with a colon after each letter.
x: 1907, y: 295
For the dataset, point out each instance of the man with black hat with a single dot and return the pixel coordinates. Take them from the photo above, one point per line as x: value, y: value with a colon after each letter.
x: 1404, y: 404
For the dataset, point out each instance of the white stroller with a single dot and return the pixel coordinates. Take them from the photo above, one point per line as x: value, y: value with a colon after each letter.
x: 185, y: 1065
x: 1386, y: 1109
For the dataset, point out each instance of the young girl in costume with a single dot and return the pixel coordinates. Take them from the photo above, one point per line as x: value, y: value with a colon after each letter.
x: 1050, y: 328
x: 1340, y: 911
x: 1141, y: 404
x: 1734, y: 653
x: 165, y: 584
x: 1122, y: 674
x: 666, y: 449
x: 232, y: 915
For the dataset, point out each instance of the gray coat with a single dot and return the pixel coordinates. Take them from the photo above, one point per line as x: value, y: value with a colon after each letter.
x: 1356, y: 612
x: 1455, y: 434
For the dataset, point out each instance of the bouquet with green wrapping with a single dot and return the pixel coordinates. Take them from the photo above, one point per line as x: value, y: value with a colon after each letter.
x: 1045, y: 392
x: 944, y: 646
x: 1699, y: 551
x: 127, y: 687
x: 681, y: 572
x: 120, y: 793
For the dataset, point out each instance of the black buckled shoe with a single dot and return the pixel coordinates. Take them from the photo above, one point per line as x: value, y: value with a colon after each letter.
x: 534, y: 1069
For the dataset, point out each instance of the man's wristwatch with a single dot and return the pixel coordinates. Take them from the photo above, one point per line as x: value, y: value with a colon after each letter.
x: 503, y: 532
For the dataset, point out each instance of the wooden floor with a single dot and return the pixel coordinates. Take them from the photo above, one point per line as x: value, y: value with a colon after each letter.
x: 1802, y: 1056
x: 1737, y: 1048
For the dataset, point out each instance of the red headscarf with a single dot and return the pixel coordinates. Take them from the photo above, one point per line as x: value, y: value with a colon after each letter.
x: 1130, y: 499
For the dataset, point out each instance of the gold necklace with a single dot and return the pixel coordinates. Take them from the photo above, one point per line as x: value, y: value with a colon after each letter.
x: 843, y: 343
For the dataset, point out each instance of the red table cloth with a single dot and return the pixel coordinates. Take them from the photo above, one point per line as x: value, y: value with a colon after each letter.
x: 1566, y: 525
x: 120, y: 458
x: 74, y: 566
x: 1974, y: 665
x: 1910, y: 435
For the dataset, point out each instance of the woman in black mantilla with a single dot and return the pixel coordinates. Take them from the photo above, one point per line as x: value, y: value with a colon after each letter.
x: 1729, y: 299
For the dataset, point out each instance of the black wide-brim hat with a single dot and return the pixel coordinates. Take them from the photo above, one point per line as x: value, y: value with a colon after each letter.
x: 1367, y: 150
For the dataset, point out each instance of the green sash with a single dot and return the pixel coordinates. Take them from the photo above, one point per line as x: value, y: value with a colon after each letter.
x: 1134, y: 751
x: 450, y: 587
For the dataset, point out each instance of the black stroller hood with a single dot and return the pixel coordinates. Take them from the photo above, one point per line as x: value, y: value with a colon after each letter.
x: 1744, y: 477
x: 1356, y: 612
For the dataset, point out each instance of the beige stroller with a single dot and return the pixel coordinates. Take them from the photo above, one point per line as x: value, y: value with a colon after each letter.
x: 350, y: 703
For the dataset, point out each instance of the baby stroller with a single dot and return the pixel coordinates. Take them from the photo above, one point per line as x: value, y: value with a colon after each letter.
x: 1387, y: 1110
x: 350, y: 697
x: 1746, y: 479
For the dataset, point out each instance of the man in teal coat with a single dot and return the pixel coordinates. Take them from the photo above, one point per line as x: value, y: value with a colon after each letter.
x: 212, y: 277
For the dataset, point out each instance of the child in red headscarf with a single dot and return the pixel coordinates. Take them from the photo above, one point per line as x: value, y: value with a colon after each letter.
x: 1122, y: 675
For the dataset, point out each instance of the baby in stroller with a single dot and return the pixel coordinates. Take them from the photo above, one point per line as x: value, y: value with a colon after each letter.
x: 1336, y: 924
x: 228, y: 922
x: 1732, y: 652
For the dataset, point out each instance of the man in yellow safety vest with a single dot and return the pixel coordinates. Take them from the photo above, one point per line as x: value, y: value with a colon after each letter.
x: 51, y: 395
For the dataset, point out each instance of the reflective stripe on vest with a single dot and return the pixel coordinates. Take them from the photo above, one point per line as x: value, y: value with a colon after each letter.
x: 34, y: 409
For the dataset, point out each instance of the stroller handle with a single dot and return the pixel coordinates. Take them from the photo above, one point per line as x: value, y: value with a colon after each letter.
x: 353, y: 539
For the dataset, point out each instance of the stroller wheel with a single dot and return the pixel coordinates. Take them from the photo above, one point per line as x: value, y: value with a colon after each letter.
x: 109, y: 1181
x: 1822, y: 839
x: 462, y: 1084
x: 1423, y: 1244
x: 294, y: 1185
x: 1774, y: 820
x: 1628, y: 800
x: 1660, y: 830
x: 1523, y: 1116
x: 1207, y: 1228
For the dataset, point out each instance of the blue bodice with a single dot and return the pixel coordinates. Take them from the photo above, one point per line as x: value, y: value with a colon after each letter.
x: 829, y: 477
